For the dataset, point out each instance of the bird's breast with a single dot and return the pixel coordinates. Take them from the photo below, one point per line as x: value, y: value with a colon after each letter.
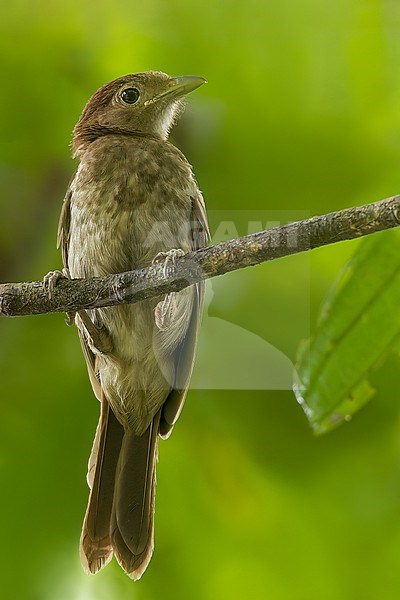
x: 126, y: 206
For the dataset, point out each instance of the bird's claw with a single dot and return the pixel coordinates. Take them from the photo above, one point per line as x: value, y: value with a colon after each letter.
x: 164, y: 312
x: 168, y: 259
x: 70, y: 319
x: 49, y: 283
x: 51, y: 280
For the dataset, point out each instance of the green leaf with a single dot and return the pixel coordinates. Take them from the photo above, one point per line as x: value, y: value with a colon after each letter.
x: 359, y: 323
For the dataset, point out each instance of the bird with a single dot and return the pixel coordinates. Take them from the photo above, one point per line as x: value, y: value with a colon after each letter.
x: 132, y: 202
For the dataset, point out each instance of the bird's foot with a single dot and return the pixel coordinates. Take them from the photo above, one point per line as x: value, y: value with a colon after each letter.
x: 165, y: 311
x: 52, y: 278
x: 97, y: 337
x: 49, y: 283
x: 168, y: 259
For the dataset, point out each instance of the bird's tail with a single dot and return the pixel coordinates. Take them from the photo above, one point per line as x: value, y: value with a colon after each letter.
x: 120, y: 512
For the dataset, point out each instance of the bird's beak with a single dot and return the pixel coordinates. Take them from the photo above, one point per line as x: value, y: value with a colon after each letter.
x: 178, y: 87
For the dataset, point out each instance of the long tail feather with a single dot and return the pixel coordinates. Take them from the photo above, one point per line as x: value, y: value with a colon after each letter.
x: 132, y: 527
x: 96, y: 547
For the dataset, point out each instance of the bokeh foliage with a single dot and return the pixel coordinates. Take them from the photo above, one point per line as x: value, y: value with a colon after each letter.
x: 302, y: 113
x: 359, y: 325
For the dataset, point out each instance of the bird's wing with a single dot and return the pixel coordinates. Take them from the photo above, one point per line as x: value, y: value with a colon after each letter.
x: 185, y: 353
x: 63, y: 241
x: 64, y: 224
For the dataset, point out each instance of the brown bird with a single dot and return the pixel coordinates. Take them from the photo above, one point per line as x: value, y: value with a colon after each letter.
x: 132, y: 201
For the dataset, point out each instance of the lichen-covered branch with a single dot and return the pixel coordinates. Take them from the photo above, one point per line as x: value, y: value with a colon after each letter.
x: 72, y: 295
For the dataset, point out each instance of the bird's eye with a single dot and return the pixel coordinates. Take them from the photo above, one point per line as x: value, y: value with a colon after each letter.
x: 130, y: 95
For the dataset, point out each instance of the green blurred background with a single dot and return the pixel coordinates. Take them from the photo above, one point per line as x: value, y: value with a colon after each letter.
x: 301, y: 116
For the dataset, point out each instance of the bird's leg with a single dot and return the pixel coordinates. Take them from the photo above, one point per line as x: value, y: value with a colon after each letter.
x: 97, y: 337
x: 49, y: 283
x: 164, y: 311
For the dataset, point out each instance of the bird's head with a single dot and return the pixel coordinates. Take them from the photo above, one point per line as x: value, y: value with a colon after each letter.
x: 144, y: 103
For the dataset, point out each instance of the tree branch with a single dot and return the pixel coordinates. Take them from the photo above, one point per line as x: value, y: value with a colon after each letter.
x: 72, y: 295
